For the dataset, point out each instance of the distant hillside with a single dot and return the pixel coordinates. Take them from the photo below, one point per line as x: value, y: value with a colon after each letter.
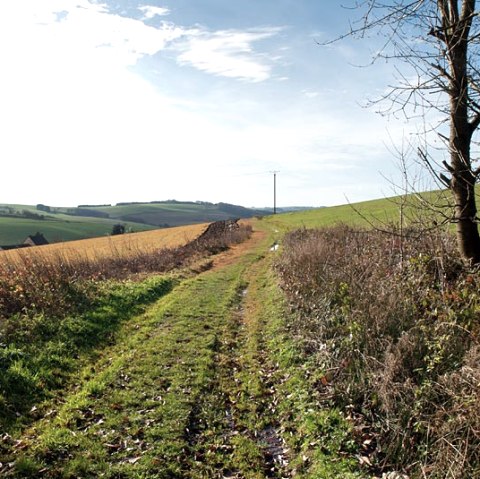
x: 379, y: 212
x: 174, y: 213
x: 289, y: 209
x: 19, y: 221
x: 88, y: 221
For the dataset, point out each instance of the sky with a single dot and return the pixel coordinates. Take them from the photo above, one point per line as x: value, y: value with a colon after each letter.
x: 200, y: 100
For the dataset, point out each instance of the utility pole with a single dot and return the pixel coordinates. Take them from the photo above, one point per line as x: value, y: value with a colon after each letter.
x: 275, y: 191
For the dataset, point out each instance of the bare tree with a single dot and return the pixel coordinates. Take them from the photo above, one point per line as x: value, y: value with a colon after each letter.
x: 438, y: 42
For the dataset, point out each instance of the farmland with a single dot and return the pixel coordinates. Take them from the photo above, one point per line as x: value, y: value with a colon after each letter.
x: 59, y: 224
x: 61, y: 228
x: 378, y: 213
x: 119, y: 245
x: 176, y: 213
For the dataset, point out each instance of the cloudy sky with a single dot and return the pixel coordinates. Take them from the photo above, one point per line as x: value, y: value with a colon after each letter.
x: 127, y: 100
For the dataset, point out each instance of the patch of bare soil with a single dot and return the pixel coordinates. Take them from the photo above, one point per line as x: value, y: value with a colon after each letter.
x: 229, y: 257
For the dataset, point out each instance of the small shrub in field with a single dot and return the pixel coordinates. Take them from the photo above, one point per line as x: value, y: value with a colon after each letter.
x: 394, y: 324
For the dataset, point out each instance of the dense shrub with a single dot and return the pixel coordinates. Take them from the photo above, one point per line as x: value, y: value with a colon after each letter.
x: 393, y: 323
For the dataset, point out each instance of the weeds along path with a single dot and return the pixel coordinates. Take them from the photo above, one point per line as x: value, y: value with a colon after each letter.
x: 203, y: 385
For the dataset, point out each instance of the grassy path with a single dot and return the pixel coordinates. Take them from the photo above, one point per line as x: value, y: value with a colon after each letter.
x: 205, y: 384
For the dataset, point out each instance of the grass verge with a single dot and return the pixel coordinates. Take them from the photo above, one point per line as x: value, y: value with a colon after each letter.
x: 132, y: 414
x: 41, y: 353
x: 318, y: 438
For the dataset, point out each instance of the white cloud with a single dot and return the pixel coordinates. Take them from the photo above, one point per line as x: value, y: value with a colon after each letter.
x: 86, y: 32
x: 228, y: 53
x: 86, y: 37
x: 88, y: 129
x: 151, y: 12
x: 310, y: 94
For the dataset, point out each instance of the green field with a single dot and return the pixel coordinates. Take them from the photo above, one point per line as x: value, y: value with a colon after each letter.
x: 176, y: 213
x: 380, y: 213
x: 64, y: 228
x: 72, y: 223
x: 57, y: 225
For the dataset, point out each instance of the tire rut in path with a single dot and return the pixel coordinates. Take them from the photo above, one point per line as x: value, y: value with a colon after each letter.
x: 236, y: 428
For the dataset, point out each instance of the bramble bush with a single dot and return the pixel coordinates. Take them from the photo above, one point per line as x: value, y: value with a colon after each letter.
x: 393, y: 323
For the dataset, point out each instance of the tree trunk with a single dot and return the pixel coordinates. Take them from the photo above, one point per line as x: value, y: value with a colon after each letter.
x: 456, y: 32
x: 468, y: 238
x: 463, y: 179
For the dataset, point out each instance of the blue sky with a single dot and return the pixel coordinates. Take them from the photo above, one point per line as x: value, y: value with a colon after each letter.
x: 129, y: 100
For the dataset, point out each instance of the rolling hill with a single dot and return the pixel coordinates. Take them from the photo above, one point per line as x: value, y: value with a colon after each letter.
x: 174, y: 213
x: 89, y: 221
x: 14, y: 230
x: 86, y: 221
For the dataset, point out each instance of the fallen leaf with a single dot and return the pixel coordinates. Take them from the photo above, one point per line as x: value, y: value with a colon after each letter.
x: 364, y: 460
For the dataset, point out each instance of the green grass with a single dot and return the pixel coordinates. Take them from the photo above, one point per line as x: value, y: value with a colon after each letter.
x: 61, y: 228
x: 319, y: 439
x: 380, y: 213
x: 132, y: 416
x: 42, y: 353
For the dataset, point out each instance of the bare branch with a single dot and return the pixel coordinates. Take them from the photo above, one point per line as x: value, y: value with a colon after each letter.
x: 438, y: 44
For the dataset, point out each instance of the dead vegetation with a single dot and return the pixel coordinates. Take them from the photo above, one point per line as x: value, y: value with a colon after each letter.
x: 393, y: 325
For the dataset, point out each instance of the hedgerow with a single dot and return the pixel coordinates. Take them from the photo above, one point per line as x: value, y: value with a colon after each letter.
x: 393, y: 325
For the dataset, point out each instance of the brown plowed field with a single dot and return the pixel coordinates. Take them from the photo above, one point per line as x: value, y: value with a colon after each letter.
x: 121, y: 245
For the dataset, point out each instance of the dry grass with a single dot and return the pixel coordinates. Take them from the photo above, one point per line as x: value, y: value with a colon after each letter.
x: 107, y: 246
x: 393, y: 325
